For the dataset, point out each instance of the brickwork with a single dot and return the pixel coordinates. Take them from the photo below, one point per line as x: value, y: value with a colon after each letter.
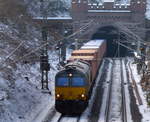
x: 109, y: 12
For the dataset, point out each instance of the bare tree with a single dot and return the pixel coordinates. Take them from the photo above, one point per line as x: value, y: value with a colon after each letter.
x: 11, y: 8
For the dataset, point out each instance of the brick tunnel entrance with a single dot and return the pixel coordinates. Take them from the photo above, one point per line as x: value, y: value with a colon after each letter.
x: 110, y: 33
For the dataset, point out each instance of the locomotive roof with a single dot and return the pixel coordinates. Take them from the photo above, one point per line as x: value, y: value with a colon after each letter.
x: 82, y: 57
x: 84, y: 51
x: 79, y: 65
x: 92, y: 44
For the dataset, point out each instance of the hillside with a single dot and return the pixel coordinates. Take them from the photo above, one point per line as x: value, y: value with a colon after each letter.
x: 20, y: 85
x: 19, y: 62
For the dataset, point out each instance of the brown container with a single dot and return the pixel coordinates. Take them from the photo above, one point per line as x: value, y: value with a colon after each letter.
x: 92, y: 55
x: 100, y: 51
x: 85, y: 52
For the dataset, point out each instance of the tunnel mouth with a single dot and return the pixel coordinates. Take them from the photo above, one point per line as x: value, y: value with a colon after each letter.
x: 112, y: 35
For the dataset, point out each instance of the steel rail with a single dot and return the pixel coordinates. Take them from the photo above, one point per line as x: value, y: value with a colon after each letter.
x: 64, y: 116
x: 135, y: 87
x: 59, y: 120
x: 124, y: 111
x: 107, y: 111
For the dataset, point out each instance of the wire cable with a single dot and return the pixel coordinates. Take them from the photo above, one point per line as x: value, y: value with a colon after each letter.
x: 14, y: 51
x: 129, y: 48
x: 21, y: 58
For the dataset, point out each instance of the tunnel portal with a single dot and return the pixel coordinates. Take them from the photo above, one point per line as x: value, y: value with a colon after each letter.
x: 110, y: 33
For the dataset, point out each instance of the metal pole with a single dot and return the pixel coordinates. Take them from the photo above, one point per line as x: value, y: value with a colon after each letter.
x: 118, y: 50
x: 138, y: 47
x: 44, y: 65
x: 119, y: 45
x: 76, y: 44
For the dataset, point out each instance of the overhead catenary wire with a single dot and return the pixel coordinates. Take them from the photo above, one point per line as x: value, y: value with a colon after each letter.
x: 14, y: 50
x: 21, y: 58
x: 7, y: 57
x: 129, y: 48
x: 80, y: 30
x: 129, y: 33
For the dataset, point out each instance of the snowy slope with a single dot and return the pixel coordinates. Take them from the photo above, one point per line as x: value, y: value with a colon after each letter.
x: 20, y: 85
x: 21, y: 102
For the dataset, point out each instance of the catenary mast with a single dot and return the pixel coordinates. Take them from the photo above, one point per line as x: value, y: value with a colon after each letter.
x: 44, y: 65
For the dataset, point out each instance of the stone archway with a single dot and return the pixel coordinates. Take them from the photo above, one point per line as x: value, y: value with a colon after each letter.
x: 111, y: 33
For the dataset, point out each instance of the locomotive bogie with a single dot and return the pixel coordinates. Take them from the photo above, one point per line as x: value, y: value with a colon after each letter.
x: 71, y: 100
x: 71, y: 106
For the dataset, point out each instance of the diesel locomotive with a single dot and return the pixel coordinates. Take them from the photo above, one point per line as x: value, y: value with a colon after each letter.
x: 73, y: 84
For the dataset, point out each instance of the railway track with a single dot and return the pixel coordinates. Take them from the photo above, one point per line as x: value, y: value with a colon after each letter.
x: 107, y: 110
x: 135, y: 113
x: 135, y: 87
x: 124, y: 111
x: 109, y: 114
x: 64, y: 118
x: 98, y: 94
x: 112, y: 75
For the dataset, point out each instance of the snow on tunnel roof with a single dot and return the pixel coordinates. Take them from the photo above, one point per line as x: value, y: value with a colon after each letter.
x: 92, y: 44
x: 108, y: 1
x: 112, y: 11
x: 55, y: 18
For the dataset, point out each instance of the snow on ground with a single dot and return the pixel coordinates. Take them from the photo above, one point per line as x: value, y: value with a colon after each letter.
x: 106, y: 87
x: 21, y: 98
x: 25, y: 101
x: 144, y: 109
x: 3, y: 95
x: 115, y: 110
x: 127, y: 95
x: 56, y: 117
x: 69, y: 119
x: 48, y: 102
x: 53, y: 59
x: 39, y: 113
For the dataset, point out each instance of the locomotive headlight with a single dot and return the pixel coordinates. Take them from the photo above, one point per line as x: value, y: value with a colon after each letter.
x: 70, y: 75
x: 82, y: 95
x: 57, y: 95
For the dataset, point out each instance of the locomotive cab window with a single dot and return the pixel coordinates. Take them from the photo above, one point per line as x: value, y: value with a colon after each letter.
x: 62, y: 81
x: 77, y: 81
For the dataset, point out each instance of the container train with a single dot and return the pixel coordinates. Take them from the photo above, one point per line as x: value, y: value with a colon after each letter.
x: 73, y: 84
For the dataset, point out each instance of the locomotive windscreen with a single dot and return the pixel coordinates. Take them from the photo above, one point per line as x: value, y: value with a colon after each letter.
x: 62, y: 81
x: 70, y: 81
x: 70, y: 78
x: 77, y: 81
